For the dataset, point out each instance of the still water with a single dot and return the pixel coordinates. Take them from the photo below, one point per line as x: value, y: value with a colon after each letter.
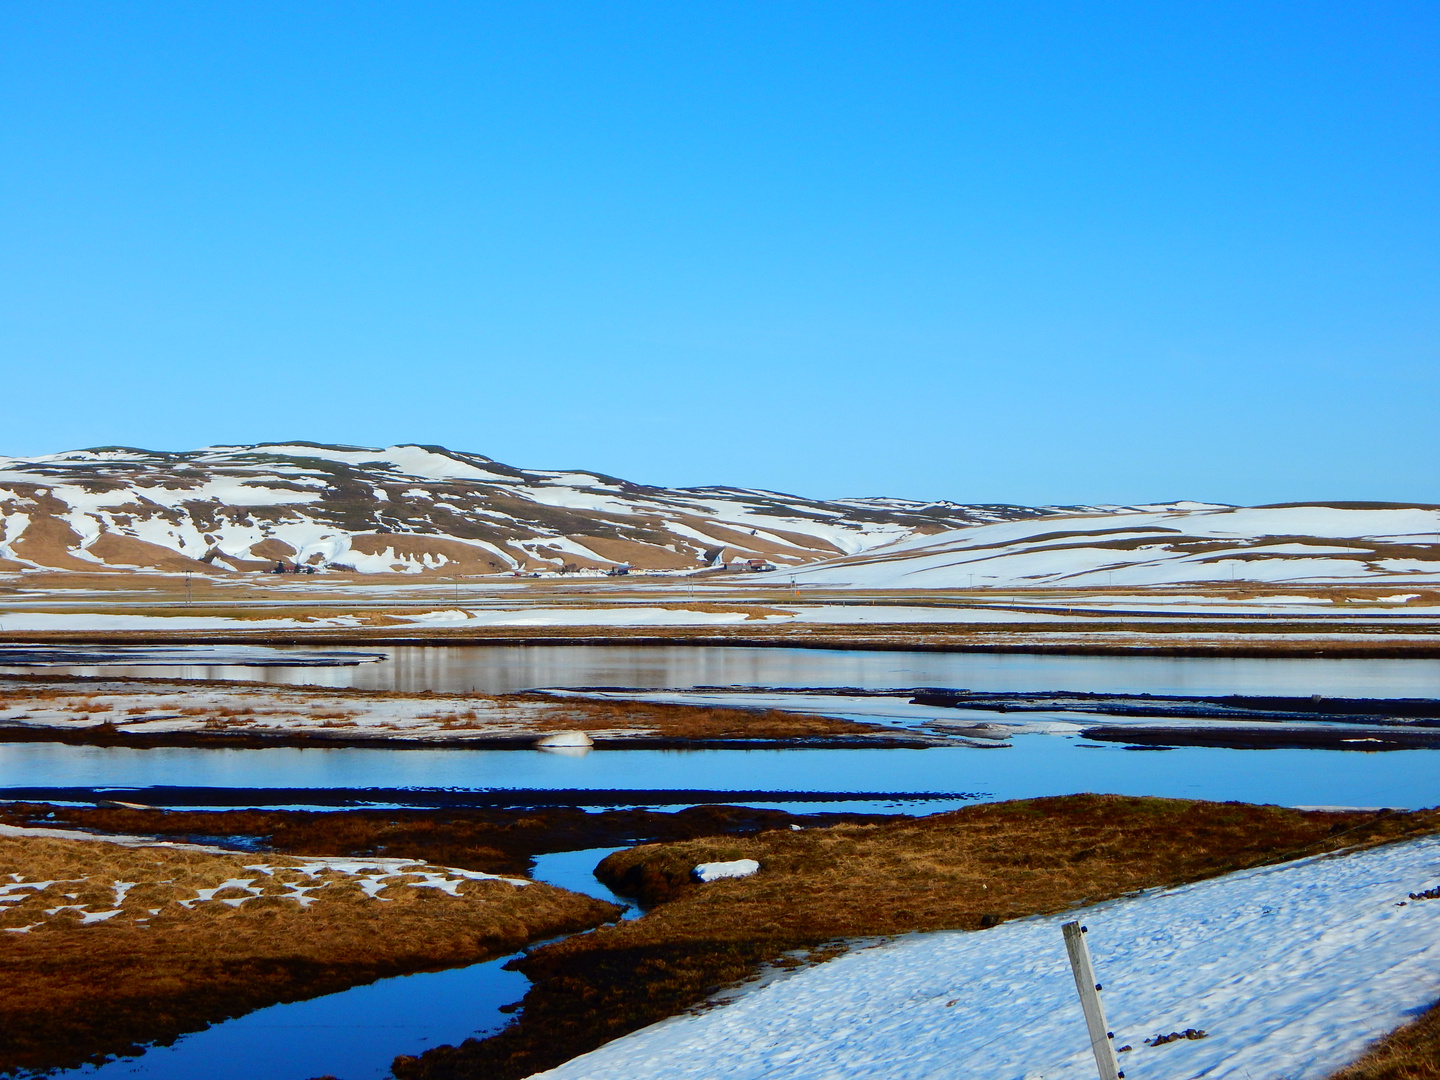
x: 1034, y: 765
x: 493, y: 669
x: 357, y: 1033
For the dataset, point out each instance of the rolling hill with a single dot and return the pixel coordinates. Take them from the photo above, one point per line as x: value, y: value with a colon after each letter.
x: 413, y: 509
x: 1181, y: 544
x: 432, y: 511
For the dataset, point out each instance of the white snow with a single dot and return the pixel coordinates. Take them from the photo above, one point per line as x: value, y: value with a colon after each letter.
x: 1146, y: 548
x: 1292, y: 971
x: 372, y: 875
x: 565, y: 739
x: 197, y: 502
x: 715, y: 871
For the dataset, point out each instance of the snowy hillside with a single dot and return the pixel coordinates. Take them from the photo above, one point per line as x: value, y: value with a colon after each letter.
x: 412, y: 509
x: 415, y: 509
x: 1138, y: 546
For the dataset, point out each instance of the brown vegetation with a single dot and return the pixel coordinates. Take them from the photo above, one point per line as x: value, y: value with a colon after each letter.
x: 296, y: 715
x: 962, y: 870
x: 705, y: 722
x: 1099, y: 635
x: 125, y: 945
x: 497, y: 841
x: 1411, y: 1053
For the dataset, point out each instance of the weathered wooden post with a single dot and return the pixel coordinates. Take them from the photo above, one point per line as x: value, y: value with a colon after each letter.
x: 1089, y: 990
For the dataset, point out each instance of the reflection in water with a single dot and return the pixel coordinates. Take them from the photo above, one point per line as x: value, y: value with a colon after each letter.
x: 353, y: 1035
x: 503, y: 669
x: 575, y: 870
x: 357, y: 1033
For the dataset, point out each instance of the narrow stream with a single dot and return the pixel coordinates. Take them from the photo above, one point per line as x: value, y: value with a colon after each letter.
x: 357, y: 1033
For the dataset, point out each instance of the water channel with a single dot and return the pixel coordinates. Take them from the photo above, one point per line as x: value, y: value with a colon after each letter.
x: 1033, y: 764
x: 357, y: 1033
x: 491, y: 669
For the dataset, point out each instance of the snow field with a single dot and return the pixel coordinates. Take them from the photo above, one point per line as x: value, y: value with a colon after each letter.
x: 1168, y: 547
x: 1292, y: 970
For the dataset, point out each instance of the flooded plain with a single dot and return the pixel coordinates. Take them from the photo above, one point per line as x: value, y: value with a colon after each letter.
x: 357, y: 1033
x: 491, y: 669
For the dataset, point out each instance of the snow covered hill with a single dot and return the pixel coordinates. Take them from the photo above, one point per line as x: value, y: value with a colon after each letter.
x: 412, y: 509
x: 1169, y: 545
x: 418, y: 509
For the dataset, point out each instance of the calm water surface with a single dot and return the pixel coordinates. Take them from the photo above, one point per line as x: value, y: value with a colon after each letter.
x: 493, y: 670
x: 1035, y: 765
x: 356, y: 1034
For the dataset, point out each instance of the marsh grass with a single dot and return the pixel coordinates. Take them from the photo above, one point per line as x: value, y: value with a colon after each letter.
x: 75, y: 992
x: 963, y: 870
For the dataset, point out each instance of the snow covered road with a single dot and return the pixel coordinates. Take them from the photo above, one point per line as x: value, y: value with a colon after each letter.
x: 1292, y: 971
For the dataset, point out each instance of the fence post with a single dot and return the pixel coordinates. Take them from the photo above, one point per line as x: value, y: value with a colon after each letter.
x: 1100, y: 1038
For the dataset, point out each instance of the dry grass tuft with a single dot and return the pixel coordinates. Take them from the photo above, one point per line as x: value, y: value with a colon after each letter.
x: 1411, y: 1053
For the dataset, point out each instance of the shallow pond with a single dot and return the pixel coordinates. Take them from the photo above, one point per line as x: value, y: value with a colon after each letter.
x: 1035, y: 764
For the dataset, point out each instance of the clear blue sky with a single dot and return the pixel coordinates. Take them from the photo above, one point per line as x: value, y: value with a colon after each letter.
x: 1003, y: 252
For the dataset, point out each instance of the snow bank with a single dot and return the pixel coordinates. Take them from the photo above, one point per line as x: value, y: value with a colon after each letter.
x: 714, y: 871
x: 1292, y: 970
x: 565, y: 739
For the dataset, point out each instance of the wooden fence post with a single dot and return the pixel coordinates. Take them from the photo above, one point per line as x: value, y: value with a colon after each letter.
x: 1101, y: 1040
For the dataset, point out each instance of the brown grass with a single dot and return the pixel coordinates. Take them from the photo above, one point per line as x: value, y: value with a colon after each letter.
x: 477, y: 715
x: 704, y: 722
x: 1086, y: 636
x: 1411, y: 1053
x: 962, y: 870
x: 497, y: 841
x: 75, y: 992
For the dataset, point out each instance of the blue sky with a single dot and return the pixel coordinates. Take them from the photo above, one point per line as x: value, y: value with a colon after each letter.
x: 1026, y: 253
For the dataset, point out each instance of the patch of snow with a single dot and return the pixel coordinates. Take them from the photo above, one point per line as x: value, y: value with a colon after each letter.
x: 715, y: 871
x: 566, y: 739
x: 1292, y: 970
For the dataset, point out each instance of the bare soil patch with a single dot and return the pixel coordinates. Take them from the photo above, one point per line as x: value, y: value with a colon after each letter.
x: 963, y: 870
